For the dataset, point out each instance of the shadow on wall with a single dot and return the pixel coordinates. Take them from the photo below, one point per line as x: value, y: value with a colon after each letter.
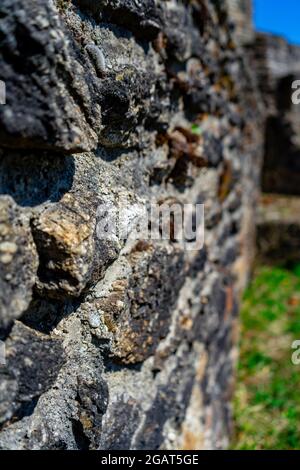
x: 32, y: 179
x: 281, y: 172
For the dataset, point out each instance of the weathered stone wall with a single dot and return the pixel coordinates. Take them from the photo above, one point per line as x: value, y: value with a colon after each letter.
x: 240, y: 17
x: 278, y: 66
x: 114, y: 344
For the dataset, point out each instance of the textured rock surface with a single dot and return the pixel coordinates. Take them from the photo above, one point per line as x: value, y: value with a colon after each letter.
x: 48, y: 105
x: 117, y: 343
x: 18, y: 261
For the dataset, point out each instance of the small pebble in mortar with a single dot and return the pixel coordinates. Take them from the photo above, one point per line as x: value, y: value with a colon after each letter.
x: 98, y: 58
x: 94, y: 320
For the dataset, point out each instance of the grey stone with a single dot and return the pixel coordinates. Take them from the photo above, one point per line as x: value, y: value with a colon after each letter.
x: 18, y: 262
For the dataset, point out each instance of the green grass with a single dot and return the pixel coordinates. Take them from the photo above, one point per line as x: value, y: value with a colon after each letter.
x: 267, y: 398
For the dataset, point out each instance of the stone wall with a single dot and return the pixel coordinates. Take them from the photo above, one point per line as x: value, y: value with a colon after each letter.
x: 240, y: 17
x: 278, y: 66
x: 113, y: 343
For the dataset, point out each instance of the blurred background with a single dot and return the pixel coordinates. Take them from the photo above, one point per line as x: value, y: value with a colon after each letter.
x: 267, y: 401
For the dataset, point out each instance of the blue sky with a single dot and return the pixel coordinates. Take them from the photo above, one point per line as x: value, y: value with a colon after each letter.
x: 279, y: 17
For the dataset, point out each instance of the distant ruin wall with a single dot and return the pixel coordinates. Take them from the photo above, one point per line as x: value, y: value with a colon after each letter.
x: 116, y: 343
x: 278, y: 66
